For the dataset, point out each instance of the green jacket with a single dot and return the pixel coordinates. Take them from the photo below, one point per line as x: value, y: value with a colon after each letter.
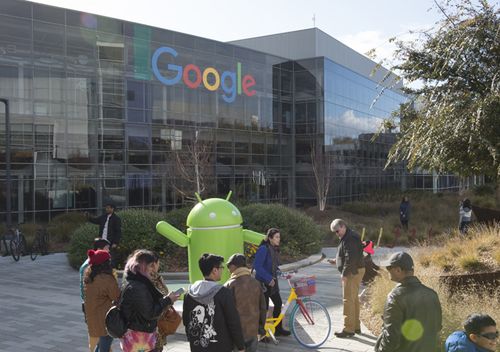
x: 412, y: 319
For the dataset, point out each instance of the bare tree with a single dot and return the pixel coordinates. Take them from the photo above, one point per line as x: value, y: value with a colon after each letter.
x: 194, y: 167
x: 322, y: 168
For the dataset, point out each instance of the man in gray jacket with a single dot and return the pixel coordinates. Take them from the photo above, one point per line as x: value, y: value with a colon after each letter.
x: 412, y: 313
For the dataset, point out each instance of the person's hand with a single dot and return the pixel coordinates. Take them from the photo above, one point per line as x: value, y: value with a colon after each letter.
x: 344, y: 279
x: 114, y: 245
x: 173, y: 296
x: 332, y: 261
x: 272, y: 283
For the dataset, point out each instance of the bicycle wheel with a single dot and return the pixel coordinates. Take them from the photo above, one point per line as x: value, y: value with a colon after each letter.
x: 310, y: 323
x: 35, y: 250
x: 15, y: 249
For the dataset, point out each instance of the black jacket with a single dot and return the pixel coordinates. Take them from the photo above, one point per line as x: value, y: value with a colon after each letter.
x: 114, y: 227
x: 142, y: 304
x: 350, y: 253
x: 211, y: 319
x: 414, y: 308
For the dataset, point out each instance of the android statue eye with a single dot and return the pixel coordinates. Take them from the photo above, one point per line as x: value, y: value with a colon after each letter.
x: 234, y: 213
x: 212, y: 215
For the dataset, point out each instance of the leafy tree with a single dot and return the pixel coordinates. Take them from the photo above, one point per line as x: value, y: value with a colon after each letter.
x: 453, y: 121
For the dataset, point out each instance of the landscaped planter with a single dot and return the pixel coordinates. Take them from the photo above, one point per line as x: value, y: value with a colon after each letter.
x: 491, y: 280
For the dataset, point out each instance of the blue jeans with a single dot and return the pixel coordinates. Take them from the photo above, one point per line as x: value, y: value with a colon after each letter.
x: 104, y: 344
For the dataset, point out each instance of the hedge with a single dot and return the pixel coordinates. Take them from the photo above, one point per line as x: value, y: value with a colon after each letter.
x: 138, y: 231
x: 300, y: 235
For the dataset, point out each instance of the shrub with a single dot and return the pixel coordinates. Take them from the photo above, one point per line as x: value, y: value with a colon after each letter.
x: 300, y: 235
x: 62, y: 226
x: 138, y: 231
x: 484, y: 190
x: 29, y: 232
x: 471, y: 263
x: 496, y: 256
x: 81, y: 241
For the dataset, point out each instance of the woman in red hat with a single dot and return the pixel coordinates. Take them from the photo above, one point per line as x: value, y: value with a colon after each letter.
x: 101, y: 289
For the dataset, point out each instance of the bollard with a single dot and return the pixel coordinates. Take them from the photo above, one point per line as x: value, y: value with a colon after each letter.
x: 380, y: 236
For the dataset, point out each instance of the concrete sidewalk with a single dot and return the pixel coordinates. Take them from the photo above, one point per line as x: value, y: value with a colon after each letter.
x: 40, y: 308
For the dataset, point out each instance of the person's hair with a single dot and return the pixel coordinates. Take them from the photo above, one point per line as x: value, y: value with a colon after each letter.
x: 93, y: 270
x: 269, y: 235
x: 475, y: 323
x: 336, y: 224
x: 100, y: 243
x: 138, y: 261
x: 209, y: 261
x: 466, y: 203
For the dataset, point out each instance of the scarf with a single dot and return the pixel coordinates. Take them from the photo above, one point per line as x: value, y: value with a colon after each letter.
x: 243, y: 271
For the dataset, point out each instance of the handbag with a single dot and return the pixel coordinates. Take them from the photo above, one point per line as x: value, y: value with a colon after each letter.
x: 115, y: 322
x: 169, y: 322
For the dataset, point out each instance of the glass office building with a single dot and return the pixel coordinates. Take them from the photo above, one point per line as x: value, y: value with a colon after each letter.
x: 104, y: 110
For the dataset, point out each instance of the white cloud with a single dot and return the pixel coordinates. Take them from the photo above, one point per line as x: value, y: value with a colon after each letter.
x: 360, y: 124
x: 364, y: 41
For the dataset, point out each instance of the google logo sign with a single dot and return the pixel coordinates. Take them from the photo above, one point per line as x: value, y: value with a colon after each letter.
x: 231, y: 82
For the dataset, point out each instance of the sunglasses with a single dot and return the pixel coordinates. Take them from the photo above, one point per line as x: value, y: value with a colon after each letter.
x: 490, y: 335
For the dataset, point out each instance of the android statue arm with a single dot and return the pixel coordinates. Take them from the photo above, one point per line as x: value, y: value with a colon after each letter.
x: 252, y: 237
x: 174, y: 235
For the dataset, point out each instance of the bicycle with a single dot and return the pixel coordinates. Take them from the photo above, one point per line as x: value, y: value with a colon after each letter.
x: 17, y: 245
x: 309, y: 322
x: 40, y: 244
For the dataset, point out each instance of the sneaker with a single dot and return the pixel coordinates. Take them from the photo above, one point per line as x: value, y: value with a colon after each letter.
x: 282, y: 332
x: 343, y: 334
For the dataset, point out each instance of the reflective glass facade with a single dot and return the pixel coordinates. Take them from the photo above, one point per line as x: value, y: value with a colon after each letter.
x: 101, y: 112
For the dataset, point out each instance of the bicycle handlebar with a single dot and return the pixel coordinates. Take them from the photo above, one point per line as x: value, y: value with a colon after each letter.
x: 287, y: 275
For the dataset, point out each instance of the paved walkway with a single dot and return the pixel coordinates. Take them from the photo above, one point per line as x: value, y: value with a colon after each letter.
x: 40, y: 308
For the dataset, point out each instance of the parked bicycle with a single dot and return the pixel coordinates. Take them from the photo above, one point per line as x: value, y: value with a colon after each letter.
x: 40, y: 244
x: 309, y: 322
x: 17, y: 245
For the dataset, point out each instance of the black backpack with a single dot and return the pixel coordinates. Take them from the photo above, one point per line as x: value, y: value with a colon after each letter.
x: 115, y: 322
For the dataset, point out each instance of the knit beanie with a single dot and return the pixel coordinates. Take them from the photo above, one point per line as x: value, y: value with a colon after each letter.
x: 98, y: 257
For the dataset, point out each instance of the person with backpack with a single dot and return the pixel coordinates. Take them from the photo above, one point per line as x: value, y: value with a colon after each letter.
x: 101, y: 289
x: 142, y: 304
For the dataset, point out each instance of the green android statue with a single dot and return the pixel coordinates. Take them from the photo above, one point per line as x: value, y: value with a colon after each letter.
x: 214, y: 226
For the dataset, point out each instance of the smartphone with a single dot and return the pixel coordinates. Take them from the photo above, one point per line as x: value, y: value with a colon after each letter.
x: 180, y: 291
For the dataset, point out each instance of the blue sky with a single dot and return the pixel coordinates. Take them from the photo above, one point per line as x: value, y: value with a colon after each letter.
x: 361, y: 24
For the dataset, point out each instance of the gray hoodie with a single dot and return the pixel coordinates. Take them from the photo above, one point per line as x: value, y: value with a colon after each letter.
x: 203, y: 291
